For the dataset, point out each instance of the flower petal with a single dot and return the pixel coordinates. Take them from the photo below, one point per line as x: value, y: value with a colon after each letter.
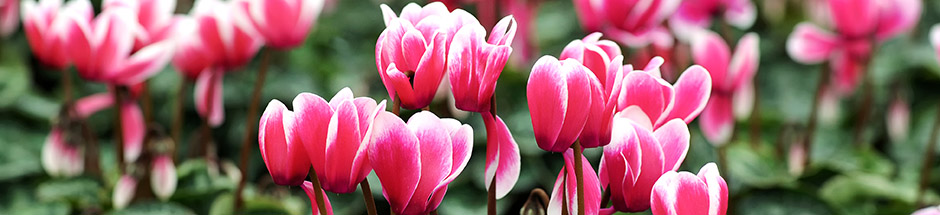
x: 134, y: 129
x: 395, y: 156
x: 711, y: 51
x: 809, y: 44
x: 680, y: 193
x: 209, y: 96
x: 691, y: 95
x: 674, y: 138
x: 546, y: 100
x: 717, y: 121
x: 311, y: 113
x: 163, y: 177
x: 717, y: 189
x: 502, y: 156
x: 308, y: 188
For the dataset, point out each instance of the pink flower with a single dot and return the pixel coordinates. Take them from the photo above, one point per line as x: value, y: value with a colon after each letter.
x: 208, y: 96
x: 898, y: 120
x: 411, y: 53
x: 61, y: 158
x: 192, y: 55
x: 651, y: 101
x: 335, y: 136
x: 475, y: 64
x: 163, y: 177
x: 308, y: 188
x: 44, y: 25
x: 932, y: 210
x: 101, y: 49
x: 9, y: 17
x: 559, y: 97
x: 502, y: 155
x: 859, y: 24
x: 132, y: 125
x: 684, y: 193
x: 635, y: 23
x: 226, y: 32
x: 566, y: 188
x: 733, y: 81
x: 123, y: 191
x: 637, y: 157
x: 524, y: 12
x: 935, y: 39
x: 696, y: 15
x: 154, y: 16
x: 603, y: 58
x: 281, y: 149
x: 416, y: 161
x: 284, y: 24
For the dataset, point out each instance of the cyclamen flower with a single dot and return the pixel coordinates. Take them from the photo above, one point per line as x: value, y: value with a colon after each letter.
x: 208, y: 96
x: 191, y: 56
x: 932, y: 210
x: 308, y: 188
x: 502, y: 155
x: 416, y: 161
x: 45, y: 29
x: 604, y: 59
x: 566, y: 188
x: 335, y: 137
x: 284, y: 24
x: 634, y: 23
x: 60, y: 157
x: 411, y: 53
x: 733, y: 82
x: 124, y: 191
x: 133, y: 126
x: 683, y: 193
x: 163, y: 177
x: 559, y: 97
x: 696, y: 15
x: 637, y: 157
x: 154, y: 16
x: 9, y: 17
x: 280, y: 145
x: 226, y: 32
x: 652, y: 101
x: 859, y: 25
x: 474, y: 65
x: 898, y: 120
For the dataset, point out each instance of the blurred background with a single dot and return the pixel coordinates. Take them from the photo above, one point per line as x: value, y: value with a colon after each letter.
x: 872, y: 174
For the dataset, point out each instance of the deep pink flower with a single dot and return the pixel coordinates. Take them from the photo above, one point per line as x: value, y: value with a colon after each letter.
x: 566, y: 188
x: 637, y: 157
x: 656, y: 101
x: 411, y: 53
x: 334, y: 136
x: 684, y: 193
x: 284, y: 24
x: 634, y: 23
x: 559, y: 97
x: 859, y: 25
x: 732, y: 75
x: 281, y: 149
x: 155, y: 17
x: 695, y: 15
x: 416, y: 161
x: 61, y: 158
x: 163, y: 177
x: 502, y: 155
x: 474, y: 64
x: 9, y: 17
x: 308, y: 188
x: 192, y: 56
x: 44, y: 25
x: 101, y: 49
x: 604, y: 59
x: 226, y: 32
x: 524, y: 12
x: 208, y: 96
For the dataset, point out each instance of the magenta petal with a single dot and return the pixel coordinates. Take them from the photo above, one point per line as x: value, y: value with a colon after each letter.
x: 85, y: 107
x: 680, y: 193
x: 144, y: 63
x: 544, y: 93
x: 579, y: 84
x: 163, y: 177
x: 502, y: 156
x: 462, y: 136
x: 711, y: 51
x: 717, y: 189
x: 284, y: 156
x: 558, y: 196
x: 621, y: 161
x: 808, y: 44
x: 744, y: 63
x: 402, y: 85
x: 898, y: 16
x: 651, y: 167
x: 674, y: 138
x: 134, y: 129
x: 692, y: 91
x: 935, y: 38
x: 646, y: 92
x: 597, y: 127
x: 413, y: 48
x: 395, y: 156
x: 341, y: 96
x: 592, y: 189
x: 430, y: 72
x: 209, y: 96
x: 308, y: 188
x: 435, y: 145
x: 741, y: 13
x: 855, y: 18
x: 311, y: 116
x: 717, y: 121
x: 342, y: 141
x: 500, y: 34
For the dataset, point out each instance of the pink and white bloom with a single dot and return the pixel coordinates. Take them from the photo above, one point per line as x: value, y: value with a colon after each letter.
x: 604, y: 59
x: 284, y: 24
x: 155, y: 17
x: 651, y: 101
x: 163, y: 177
x: 61, y: 158
x: 335, y: 136
x: 502, y: 156
x: 696, y: 15
x: 932, y: 210
x: 732, y: 77
x: 208, y: 96
x: 308, y: 188
x: 566, y: 188
x: 684, y: 193
x: 637, y: 157
x: 859, y: 26
x: 416, y: 161
x: 102, y: 49
x: 9, y: 17
x: 132, y: 125
x: 634, y: 23
x: 559, y: 97
x: 226, y: 32
x: 280, y: 145
x: 123, y: 192
x: 191, y: 56
x: 45, y: 29
x: 898, y: 120
x: 411, y: 53
x: 474, y: 64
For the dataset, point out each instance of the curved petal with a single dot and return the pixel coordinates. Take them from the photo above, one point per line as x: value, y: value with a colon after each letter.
x: 209, y: 96
x: 85, y: 107
x: 436, y: 157
x: 741, y: 13
x: 502, y: 156
x: 395, y: 155
x: 711, y: 51
x: 123, y: 191
x: 680, y: 193
x: 134, y: 130
x: 674, y: 138
x: 646, y: 92
x: 855, y: 18
x: 717, y: 121
x: 622, y: 161
x: 430, y: 72
x: 547, y: 100
x: 308, y: 188
x: 743, y: 101
x: 717, y: 189
x: 311, y: 113
x: 343, y: 140
x: 579, y: 88
x: 284, y: 157
x: 809, y: 44
x: 745, y: 61
x: 651, y: 168
x: 692, y: 91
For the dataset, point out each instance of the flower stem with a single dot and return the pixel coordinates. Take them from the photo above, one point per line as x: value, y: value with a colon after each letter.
x: 491, y: 191
x: 118, y: 127
x: 396, y: 106
x: 564, y: 191
x: 177, y: 130
x: 318, y: 194
x: 250, y: 129
x: 814, y: 113
x: 578, y: 174
x: 147, y: 103
x: 367, y: 196
x: 928, y: 160
x: 606, y: 197
x: 865, y: 112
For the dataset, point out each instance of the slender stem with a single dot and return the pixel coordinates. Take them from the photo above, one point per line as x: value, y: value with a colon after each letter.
x: 118, y: 128
x: 66, y: 86
x: 396, y: 106
x: 865, y: 112
x: 605, y: 199
x: 491, y: 191
x: 92, y: 162
x: 579, y: 176
x: 147, y: 102
x: 814, y: 113
x: 177, y: 129
x: 250, y: 129
x: 723, y: 160
x: 755, y: 120
x: 928, y: 159
x: 317, y: 190
x: 367, y: 196
x: 564, y: 192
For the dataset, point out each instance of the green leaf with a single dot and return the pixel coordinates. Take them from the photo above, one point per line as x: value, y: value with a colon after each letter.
x: 84, y: 191
x: 756, y: 168
x: 780, y: 202
x: 224, y: 204
x: 154, y: 208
